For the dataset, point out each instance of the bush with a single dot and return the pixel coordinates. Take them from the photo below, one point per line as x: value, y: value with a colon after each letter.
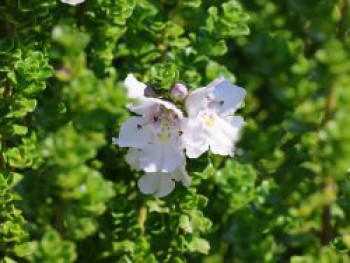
x: 67, y: 194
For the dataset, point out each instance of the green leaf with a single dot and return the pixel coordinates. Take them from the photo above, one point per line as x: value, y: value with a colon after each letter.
x: 198, y: 245
x: 20, y: 107
x: 162, y: 76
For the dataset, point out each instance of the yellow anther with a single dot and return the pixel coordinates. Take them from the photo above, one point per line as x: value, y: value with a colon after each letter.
x: 209, y: 120
x: 163, y: 137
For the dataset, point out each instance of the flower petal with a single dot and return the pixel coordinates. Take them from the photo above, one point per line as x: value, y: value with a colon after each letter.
x: 148, y: 183
x: 223, y: 135
x: 161, y: 157
x: 134, y: 134
x: 143, y: 106
x: 72, y: 2
x: 194, y: 137
x: 235, y: 121
x: 166, y: 185
x: 197, y: 101
x: 133, y: 158
x: 134, y: 88
x: 159, y: 184
x: 180, y: 174
x: 228, y: 96
x: 146, y: 106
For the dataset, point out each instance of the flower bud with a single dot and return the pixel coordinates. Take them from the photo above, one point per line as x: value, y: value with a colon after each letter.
x: 150, y: 92
x: 179, y: 91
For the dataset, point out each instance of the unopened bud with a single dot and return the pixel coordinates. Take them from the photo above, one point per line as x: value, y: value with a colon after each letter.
x: 150, y: 92
x: 179, y: 91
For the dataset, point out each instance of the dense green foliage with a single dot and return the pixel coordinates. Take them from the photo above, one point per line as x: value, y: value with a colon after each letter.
x: 66, y: 193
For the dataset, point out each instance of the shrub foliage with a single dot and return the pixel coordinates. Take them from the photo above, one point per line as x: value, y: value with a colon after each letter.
x: 66, y: 193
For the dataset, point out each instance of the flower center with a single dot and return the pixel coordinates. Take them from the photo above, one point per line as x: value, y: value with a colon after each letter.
x: 209, y: 120
x: 163, y: 137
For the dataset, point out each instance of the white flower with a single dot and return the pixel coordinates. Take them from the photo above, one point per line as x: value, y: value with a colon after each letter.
x: 211, y: 124
x: 162, y: 184
x: 159, y: 135
x: 72, y: 2
x: 156, y: 133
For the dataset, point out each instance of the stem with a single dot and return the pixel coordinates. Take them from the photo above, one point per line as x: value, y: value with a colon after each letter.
x: 7, y: 91
x: 142, y: 218
x: 2, y: 160
x: 10, y: 29
x: 342, y: 26
x: 331, y: 99
x: 326, y: 234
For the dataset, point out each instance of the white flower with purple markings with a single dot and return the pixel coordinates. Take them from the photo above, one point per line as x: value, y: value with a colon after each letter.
x: 160, y: 136
x: 211, y: 123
